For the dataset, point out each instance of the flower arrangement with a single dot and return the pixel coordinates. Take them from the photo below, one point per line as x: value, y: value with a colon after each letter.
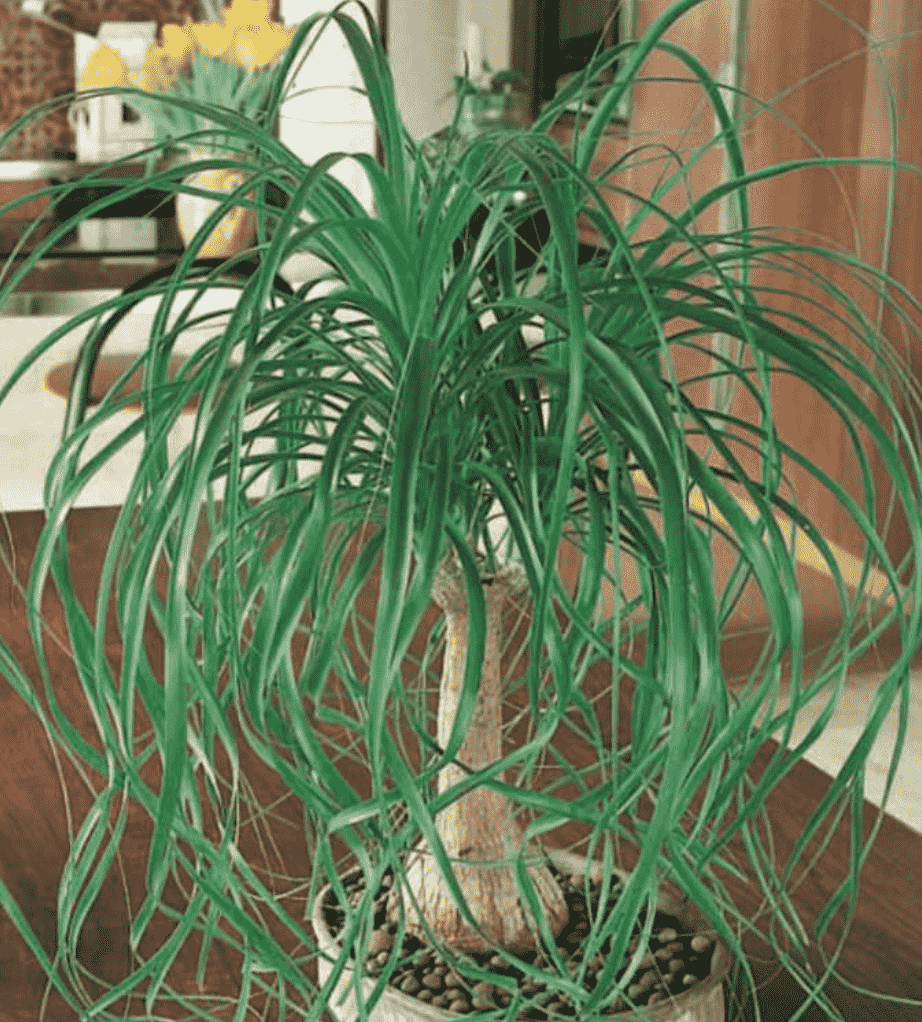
x: 227, y: 63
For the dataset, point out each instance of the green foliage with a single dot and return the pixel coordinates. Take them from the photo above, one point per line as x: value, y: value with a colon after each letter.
x: 210, y: 81
x: 488, y: 80
x: 430, y: 395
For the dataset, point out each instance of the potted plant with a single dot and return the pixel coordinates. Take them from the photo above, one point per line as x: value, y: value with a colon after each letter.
x: 450, y: 552
x: 491, y: 99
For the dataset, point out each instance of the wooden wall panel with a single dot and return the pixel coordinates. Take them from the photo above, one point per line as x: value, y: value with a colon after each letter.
x: 830, y: 88
x: 894, y: 77
x: 670, y: 121
x: 669, y: 117
x: 812, y: 64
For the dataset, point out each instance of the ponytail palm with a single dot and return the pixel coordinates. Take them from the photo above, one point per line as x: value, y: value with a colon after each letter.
x: 524, y: 445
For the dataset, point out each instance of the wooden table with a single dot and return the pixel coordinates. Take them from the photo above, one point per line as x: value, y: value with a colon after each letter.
x: 884, y: 952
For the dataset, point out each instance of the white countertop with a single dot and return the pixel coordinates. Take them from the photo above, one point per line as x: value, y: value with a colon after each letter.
x: 38, y: 169
x: 32, y: 417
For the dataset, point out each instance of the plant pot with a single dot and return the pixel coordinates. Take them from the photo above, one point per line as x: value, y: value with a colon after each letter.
x: 704, y: 1002
x: 482, y: 111
x: 235, y: 231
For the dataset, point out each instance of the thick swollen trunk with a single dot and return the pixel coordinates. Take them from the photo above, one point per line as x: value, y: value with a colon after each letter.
x: 478, y: 829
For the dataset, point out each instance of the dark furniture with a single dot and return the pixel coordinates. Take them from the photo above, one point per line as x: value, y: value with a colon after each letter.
x: 554, y: 38
x: 73, y: 265
x: 884, y: 952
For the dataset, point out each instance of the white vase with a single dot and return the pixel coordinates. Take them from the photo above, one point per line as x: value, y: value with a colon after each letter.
x: 234, y: 232
x: 105, y: 127
x: 704, y: 1002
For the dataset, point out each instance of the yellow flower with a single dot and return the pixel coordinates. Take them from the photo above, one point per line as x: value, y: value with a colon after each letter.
x: 177, y: 45
x: 247, y: 13
x: 106, y: 67
x: 212, y: 38
x: 260, y: 45
x: 158, y: 72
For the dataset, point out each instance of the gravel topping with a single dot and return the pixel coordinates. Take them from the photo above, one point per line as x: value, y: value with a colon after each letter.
x: 673, y: 962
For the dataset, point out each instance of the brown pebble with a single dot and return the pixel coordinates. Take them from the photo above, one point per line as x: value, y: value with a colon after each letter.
x: 675, y: 964
x: 452, y: 979
x: 701, y: 943
x: 666, y: 935
x: 482, y: 1003
x: 381, y: 959
x: 689, y: 980
x: 459, y: 1004
x: 379, y: 941
x: 424, y: 995
x: 432, y: 980
x: 409, y: 985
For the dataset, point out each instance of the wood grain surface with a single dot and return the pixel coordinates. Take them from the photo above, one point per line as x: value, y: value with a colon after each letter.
x: 882, y: 954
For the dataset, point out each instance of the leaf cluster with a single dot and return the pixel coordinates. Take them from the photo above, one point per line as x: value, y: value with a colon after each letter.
x: 465, y: 379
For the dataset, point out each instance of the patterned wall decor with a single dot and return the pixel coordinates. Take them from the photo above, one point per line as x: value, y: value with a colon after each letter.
x: 37, y: 62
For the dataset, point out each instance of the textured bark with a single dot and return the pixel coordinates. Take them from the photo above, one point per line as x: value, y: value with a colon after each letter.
x: 478, y: 828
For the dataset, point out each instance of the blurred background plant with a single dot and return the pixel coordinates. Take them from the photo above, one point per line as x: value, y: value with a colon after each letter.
x: 485, y: 99
x: 227, y: 61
